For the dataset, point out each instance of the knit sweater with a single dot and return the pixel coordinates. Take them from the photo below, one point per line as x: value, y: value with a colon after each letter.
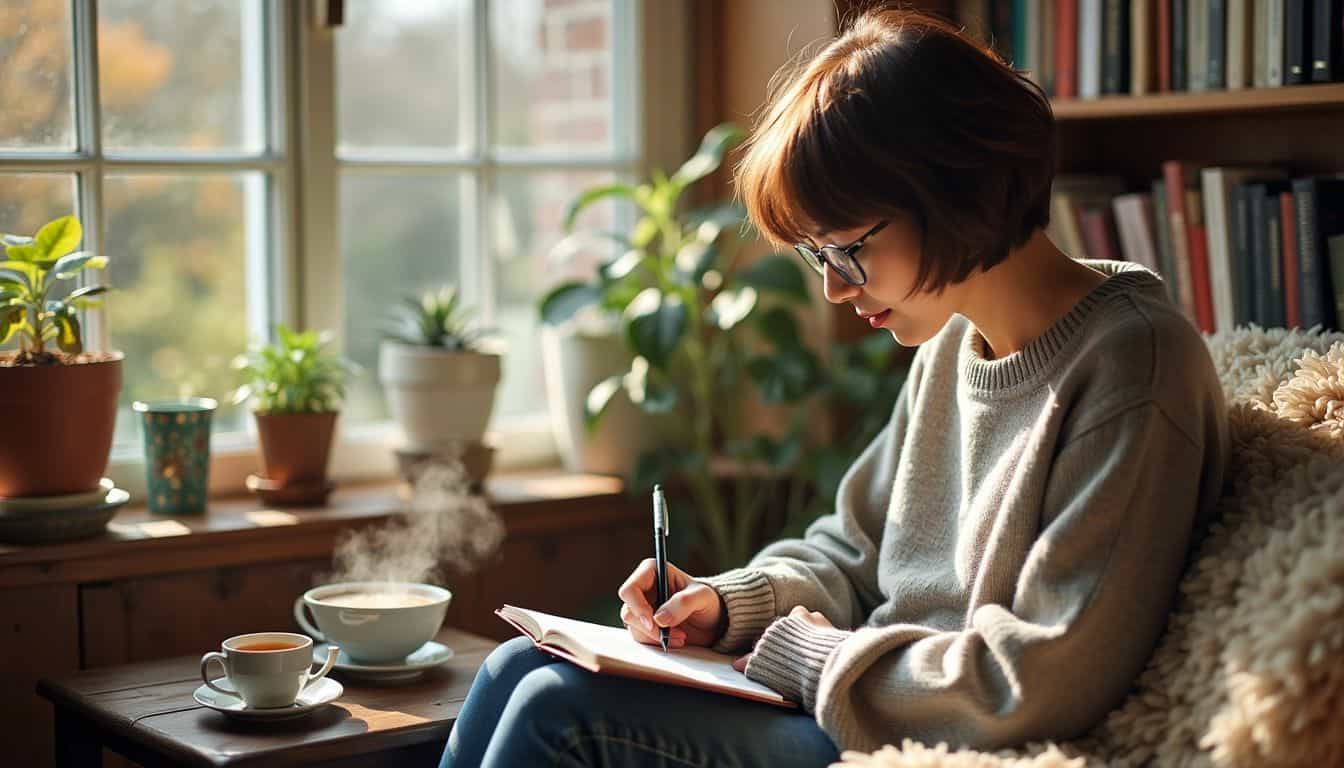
x: 1003, y: 556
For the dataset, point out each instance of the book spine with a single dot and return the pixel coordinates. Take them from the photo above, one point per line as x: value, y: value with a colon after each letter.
x: 1274, y: 44
x: 1163, y: 231
x: 1113, y: 38
x: 1199, y: 261
x: 1274, y: 250
x: 1164, y: 45
x: 1327, y: 29
x: 1296, y: 44
x: 1140, y: 47
x: 1179, y: 34
x: 1046, y: 57
x: 1237, y: 47
x: 1260, y: 44
x: 1335, y: 247
x: 1259, y: 254
x: 1217, y: 36
x: 1066, y: 49
x: 1197, y: 50
x: 1292, y: 308
x: 1089, y: 48
x: 1213, y: 182
x: 1021, y: 59
x: 1174, y: 176
x: 1241, y: 258
x: 1304, y: 194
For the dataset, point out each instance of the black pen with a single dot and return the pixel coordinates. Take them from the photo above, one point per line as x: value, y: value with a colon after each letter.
x: 660, y: 554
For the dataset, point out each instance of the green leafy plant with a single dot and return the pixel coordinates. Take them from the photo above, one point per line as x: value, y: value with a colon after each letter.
x: 295, y: 374
x: 434, y: 319
x: 701, y: 323
x: 31, y: 268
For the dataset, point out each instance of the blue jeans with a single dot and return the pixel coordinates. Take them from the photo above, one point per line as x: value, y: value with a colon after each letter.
x: 528, y: 708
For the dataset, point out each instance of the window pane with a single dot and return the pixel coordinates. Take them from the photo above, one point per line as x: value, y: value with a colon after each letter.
x: 403, y: 70
x: 176, y: 245
x: 400, y: 235
x: 526, y: 216
x: 36, y: 88
x: 29, y: 200
x: 181, y: 76
x: 551, y: 63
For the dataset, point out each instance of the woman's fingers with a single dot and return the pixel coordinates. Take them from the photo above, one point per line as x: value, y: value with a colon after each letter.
x: 633, y: 591
x: 740, y: 663
x: 676, y: 637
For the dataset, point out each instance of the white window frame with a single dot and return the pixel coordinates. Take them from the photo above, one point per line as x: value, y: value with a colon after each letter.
x: 297, y: 270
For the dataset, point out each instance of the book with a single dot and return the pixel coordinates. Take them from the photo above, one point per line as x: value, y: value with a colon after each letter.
x: 1217, y: 36
x: 1180, y: 26
x: 1327, y: 41
x: 1066, y: 49
x: 1177, y: 176
x: 1197, y: 46
x: 1114, y: 47
x: 1244, y: 310
x: 612, y: 651
x: 1089, y: 49
x: 1216, y: 184
x: 1163, y: 231
x: 1275, y: 315
x: 1273, y: 31
x: 1292, y: 307
x: 1099, y: 234
x: 1296, y: 43
x: 1260, y: 43
x: 1142, y: 59
x: 1320, y: 216
x: 1164, y: 46
x: 1199, y: 260
x: 1046, y: 58
x: 1070, y: 194
x: 1238, y: 48
x: 1134, y: 220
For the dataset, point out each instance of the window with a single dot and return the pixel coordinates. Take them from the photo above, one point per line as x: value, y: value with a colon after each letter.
x: 244, y: 164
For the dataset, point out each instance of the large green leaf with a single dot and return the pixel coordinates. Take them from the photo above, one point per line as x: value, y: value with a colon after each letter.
x: 778, y: 325
x: 655, y: 324
x: 68, y: 335
x: 68, y: 266
x: 649, y: 388
x: 732, y: 307
x: 17, y: 273
x: 58, y: 237
x: 11, y: 320
x: 561, y: 303
x: 86, y: 291
x: 599, y: 397
x: 25, y: 253
x: 590, y: 196
x: 784, y: 377
x: 777, y: 274
x: 709, y: 156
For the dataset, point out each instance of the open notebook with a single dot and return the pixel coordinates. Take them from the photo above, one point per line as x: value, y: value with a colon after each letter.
x: 609, y: 650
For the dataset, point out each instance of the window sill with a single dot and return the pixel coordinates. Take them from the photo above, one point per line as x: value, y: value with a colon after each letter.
x: 238, y: 531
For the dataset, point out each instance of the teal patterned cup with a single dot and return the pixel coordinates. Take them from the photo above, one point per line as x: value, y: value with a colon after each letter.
x: 177, y: 453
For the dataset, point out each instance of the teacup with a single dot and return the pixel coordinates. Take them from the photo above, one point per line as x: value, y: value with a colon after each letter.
x: 376, y: 622
x: 267, y: 669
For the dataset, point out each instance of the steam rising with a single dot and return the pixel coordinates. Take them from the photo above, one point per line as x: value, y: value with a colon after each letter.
x: 445, y: 526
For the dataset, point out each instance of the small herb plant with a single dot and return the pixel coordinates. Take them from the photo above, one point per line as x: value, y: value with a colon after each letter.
x: 295, y: 374
x: 30, y: 270
x: 435, y: 319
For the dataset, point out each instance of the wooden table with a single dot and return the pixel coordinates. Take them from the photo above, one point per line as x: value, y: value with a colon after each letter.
x: 146, y: 713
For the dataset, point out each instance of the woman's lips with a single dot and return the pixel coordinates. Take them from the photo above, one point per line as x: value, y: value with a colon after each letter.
x: 877, y: 320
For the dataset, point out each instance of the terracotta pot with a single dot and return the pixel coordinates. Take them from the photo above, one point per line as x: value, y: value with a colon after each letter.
x: 295, y: 446
x: 56, y: 426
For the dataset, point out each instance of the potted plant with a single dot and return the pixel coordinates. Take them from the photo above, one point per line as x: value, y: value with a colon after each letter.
x: 440, y: 384
x: 701, y: 324
x: 296, y: 386
x: 59, y: 401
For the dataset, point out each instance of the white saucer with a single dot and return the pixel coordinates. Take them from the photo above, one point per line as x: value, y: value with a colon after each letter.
x: 427, y: 656
x: 322, y: 692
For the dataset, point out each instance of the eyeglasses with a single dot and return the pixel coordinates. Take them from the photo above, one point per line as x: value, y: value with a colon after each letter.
x: 839, y: 257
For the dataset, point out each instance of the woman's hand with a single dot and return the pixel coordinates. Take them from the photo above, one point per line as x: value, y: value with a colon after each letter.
x: 798, y: 612
x: 692, y: 611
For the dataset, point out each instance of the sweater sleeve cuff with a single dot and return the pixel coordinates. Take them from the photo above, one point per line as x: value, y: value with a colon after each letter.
x: 791, y: 656
x: 750, y: 602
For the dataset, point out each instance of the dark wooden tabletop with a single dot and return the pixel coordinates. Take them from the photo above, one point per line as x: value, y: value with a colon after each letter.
x: 149, y: 706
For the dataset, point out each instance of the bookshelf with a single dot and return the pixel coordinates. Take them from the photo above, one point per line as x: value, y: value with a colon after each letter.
x: 1328, y: 96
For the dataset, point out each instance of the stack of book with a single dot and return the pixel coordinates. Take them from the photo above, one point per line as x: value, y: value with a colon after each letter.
x: 1234, y: 245
x: 1091, y: 48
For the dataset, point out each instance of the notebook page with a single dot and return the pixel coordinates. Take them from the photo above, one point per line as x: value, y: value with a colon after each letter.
x: 696, y: 664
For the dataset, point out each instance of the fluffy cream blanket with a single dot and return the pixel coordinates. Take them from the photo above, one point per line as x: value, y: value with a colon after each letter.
x: 1251, y: 669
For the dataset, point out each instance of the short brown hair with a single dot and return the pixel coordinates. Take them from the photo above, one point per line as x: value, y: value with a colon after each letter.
x: 903, y: 113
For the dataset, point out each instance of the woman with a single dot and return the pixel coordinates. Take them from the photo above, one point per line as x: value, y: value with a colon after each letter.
x: 1002, y: 558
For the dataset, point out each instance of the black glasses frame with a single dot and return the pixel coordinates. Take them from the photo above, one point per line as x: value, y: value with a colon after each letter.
x: 839, y: 257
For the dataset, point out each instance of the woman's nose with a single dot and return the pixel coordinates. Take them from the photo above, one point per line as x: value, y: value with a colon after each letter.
x: 835, y: 288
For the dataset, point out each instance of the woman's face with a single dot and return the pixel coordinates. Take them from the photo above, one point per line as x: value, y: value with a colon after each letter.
x: 891, y: 260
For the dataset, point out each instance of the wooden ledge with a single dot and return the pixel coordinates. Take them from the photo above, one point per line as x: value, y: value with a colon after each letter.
x: 239, y: 530
x: 1244, y: 101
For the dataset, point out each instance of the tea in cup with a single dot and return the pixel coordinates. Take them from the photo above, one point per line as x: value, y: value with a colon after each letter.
x: 376, y: 622
x: 267, y: 669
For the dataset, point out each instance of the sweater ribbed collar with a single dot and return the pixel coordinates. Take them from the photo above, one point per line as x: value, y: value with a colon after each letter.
x: 1032, y: 364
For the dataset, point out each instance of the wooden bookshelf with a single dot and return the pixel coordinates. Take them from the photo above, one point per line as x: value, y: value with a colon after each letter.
x: 1329, y: 96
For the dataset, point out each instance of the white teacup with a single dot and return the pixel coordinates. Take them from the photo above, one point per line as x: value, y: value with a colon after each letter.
x: 267, y: 669
x: 376, y: 622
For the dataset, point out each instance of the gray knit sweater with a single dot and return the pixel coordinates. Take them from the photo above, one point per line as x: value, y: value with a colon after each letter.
x: 1003, y: 556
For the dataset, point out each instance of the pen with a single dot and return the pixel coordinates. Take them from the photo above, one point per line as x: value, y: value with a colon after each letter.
x: 660, y: 553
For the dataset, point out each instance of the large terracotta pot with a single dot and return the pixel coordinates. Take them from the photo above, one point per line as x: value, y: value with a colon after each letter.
x: 56, y: 426
x: 295, y: 446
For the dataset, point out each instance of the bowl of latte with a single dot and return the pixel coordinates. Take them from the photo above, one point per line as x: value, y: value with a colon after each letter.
x: 374, y: 622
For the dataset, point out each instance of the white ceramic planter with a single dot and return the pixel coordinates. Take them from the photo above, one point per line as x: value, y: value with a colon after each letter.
x: 438, y: 397
x: 573, y: 362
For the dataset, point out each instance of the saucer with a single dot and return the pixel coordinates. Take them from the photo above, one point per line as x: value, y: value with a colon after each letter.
x: 324, y: 691
x: 45, y: 526
x: 18, y: 505
x: 297, y: 495
x: 426, y: 657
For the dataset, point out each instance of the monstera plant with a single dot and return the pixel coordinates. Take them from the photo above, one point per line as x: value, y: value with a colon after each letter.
x: 59, y: 401
x: 703, y: 325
